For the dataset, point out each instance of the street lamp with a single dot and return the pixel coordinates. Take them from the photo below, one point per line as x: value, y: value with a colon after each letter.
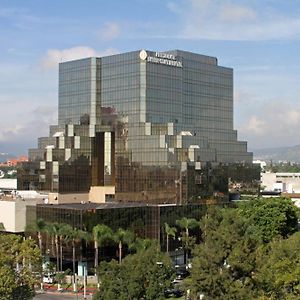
x: 84, y: 282
x: 77, y: 289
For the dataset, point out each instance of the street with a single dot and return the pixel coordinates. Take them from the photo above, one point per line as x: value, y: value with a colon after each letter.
x: 52, y: 296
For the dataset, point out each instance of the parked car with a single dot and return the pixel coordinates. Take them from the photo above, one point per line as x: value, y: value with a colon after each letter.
x: 49, y: 278
x: 182, y: 273
x: 173, y: 292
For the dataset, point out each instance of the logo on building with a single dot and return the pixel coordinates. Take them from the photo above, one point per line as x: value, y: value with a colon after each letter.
x: 161, y: 58
x: 143, y: 55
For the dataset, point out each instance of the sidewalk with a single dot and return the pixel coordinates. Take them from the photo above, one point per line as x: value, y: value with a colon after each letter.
x: 52, y: 289
x: 60, y: 296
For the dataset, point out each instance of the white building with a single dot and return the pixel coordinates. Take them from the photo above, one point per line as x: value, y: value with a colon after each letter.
x: 8, y: 185
x: 262, y: 163
x: 13, y: 213
x: 281, y: 182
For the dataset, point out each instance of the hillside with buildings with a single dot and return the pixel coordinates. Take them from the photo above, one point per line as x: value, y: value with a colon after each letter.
x: 291, y: 153
x: 5, y: 156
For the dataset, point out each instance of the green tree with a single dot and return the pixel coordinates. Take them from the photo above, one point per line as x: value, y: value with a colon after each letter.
x: 122, y: 237
x: 7, y: 282
x: 20, y: 261
x: 60, y: 278
x: 53, y: 229
x: 50, y: 268
x: 224, y: 263
x: 186, y: 224
x: 145, y: 274
x: 170, y: 231
x: 2, y: 228
x: 66, y: 234
x: 101, y: 234
x: 74, y: 236
x: 143, y: 244
x: 39, y: 226
x: 270, y: 217
x: 77, y: 236
x: 248, y: 252
x: 279, y: 268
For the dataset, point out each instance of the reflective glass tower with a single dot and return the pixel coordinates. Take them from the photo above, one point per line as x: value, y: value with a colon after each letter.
x: 153, y: 126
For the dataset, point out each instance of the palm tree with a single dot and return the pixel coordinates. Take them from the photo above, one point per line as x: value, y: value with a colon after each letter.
x: 60, y: 277
x: 54, y: 230
x: 186, y: 224
x: 86, y: 237
x: 39, y: 227
x: 73, y: 235
x: 2, y: 228
x: 122, y: 237
x: 101, y: 233
x: 170, y: 231
x: 64, y: 231
x: 143, y: 244
x: 65, y: 236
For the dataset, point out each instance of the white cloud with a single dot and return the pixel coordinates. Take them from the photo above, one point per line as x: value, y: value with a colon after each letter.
x: 45, y: 113
x: 243, y: 96
x: 290, y: 118
x: 109, y: 31
x: 13, y: 12
x: 18, y: 135
x: 8, y: 133
x: 255, y: 126
x: 55, y: 56
x: 236, y: 13
x: 173, y: 7
x: 274, y: 124
x: 220, y: 20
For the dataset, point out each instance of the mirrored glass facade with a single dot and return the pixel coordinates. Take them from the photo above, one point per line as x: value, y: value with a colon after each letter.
x: 157, y: 126
x: 146, y: 221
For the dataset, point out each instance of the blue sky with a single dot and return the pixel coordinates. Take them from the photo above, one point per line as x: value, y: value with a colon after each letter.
x: 258, y: 38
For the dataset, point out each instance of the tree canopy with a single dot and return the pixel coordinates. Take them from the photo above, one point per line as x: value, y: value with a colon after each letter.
x: 20, y: 260
x: 279, y: 269
x: 145, y: 274
x: 248, y: 252
x: 269, y: 218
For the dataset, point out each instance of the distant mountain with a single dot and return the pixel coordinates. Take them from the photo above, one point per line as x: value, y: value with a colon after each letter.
x: 278, y: 154
x: 5, y: 156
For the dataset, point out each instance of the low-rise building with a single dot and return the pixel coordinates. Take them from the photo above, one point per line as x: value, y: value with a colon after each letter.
x: 8, y: 185
x: 14, y: 214
x: 281, y: 182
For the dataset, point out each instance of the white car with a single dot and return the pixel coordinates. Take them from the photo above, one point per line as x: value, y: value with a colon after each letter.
x: 49, y: 278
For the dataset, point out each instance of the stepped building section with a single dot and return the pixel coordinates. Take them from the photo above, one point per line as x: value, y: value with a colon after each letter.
x: 141, y: 126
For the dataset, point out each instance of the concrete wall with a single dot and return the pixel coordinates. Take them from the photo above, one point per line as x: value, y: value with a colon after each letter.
x: 97, y: 193
x: 13, y: 215
x: 8, y: 184
x: 57, y: 198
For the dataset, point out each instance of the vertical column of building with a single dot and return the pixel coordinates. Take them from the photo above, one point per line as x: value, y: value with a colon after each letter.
x: 113, y: 162
x: 98, y: 160
x: 143, y: 91
x: 107, y: 158
x: 93, y: 91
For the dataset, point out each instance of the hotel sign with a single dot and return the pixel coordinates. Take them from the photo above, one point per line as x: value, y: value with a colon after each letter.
x: 161, y: 58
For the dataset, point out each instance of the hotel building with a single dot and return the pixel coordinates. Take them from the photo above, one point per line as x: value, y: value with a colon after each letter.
x: 142, y: 126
